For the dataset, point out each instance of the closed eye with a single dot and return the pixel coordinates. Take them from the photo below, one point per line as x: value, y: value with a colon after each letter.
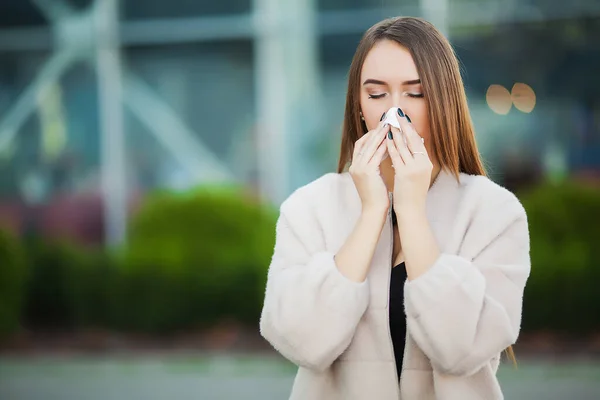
x: 415, y: 95
x: 376, y: 96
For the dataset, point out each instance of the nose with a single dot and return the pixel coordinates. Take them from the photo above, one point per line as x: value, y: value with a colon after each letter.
x: 400, y: 102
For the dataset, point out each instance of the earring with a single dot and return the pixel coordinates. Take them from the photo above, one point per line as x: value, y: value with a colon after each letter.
x: 361, y: 116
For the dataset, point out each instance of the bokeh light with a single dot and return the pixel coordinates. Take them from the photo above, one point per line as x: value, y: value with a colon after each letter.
x: 523, y: 97
x: 498, y: 99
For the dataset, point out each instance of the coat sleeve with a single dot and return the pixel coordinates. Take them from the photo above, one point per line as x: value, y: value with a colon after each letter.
x: 310, y: 310
x: 463, y: 312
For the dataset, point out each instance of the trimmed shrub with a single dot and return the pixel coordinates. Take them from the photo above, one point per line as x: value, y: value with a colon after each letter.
x: 562, y: 292
x: 13, y: 275
x: 67, y: 286
x: 194, y: 259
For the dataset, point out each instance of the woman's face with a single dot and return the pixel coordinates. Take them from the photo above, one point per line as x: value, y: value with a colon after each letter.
x: 389, y: 78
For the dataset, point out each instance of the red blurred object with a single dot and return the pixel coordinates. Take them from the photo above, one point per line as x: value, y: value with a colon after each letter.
x: 77, y: 218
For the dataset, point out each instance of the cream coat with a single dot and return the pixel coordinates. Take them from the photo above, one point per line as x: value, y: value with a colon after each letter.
x: 461, y: 313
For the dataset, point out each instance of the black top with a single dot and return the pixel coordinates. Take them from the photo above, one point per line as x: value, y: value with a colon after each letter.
x: 397, y: 315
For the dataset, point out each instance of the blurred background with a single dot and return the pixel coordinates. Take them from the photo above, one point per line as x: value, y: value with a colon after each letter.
x: 145, y: 147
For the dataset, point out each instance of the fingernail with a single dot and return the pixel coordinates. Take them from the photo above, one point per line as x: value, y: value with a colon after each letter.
x: 408, y: 118
x: 400, y: 112
x: 390, y: 135
x: 382, y: 117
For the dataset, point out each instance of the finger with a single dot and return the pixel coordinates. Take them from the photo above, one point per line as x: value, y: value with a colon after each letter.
x: 394, y: 154
x: 371, y: 146
x: 413, y: 139
x: 380, y: 126
x: 399, y: 141
x: 359, y: 145
x: 366, y: 136
x: 361, y: 141
x: 378, y: 156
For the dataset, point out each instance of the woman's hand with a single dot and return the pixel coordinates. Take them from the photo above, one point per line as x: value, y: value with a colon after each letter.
x: 412, y: 179
x: 369, y: 151
x: 354, y: 257
x: 412, y: 167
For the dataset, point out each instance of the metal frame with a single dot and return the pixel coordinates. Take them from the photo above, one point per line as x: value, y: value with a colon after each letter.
x: 92, y: 36
x: 198, y: 29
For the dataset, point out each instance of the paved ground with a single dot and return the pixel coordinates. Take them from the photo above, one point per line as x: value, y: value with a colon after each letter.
x: 242, y: 377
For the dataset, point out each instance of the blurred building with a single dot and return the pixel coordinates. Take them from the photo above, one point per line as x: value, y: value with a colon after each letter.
x: 135, y: 95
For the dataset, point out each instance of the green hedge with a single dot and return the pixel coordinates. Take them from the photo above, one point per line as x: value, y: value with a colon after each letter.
x: 191, y: 261
x: 194, y: 259
x: 68, y: 286
x: 13, y: 275
x: 562, y: 292
x: 197, y: 258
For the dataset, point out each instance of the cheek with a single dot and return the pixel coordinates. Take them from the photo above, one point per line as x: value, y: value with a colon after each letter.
x: 422, y: 126
x: 372, y: 111
x: 421, y: 121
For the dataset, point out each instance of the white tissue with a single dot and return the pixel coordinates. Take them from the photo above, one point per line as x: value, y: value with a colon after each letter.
x: 391, y: 117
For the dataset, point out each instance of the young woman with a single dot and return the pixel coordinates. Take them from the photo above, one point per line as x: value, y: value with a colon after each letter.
x: 402, y: 275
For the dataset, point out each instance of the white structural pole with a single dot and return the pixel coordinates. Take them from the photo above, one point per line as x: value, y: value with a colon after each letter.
x: 108, y: 65
x: 271, y: 96
x: 285, y: 79
x: 436, y: 12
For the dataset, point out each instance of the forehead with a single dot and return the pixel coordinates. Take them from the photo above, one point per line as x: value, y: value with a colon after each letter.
x: 389, y: 61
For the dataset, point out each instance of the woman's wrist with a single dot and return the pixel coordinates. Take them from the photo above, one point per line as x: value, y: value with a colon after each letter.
x: 410, y: 215
x: 374, y: 213
x: 372, y: 220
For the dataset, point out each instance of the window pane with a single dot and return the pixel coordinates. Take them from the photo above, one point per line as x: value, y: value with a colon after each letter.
x: 209, y: 88
x: 17, y: 13
x: 135, y: 9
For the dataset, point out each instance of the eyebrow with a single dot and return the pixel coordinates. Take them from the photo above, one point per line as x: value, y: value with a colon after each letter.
x: 378, y: 82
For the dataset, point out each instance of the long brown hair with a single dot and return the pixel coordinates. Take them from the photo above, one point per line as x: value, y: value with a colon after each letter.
x: 452, y: 133
x: 451, y: 128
